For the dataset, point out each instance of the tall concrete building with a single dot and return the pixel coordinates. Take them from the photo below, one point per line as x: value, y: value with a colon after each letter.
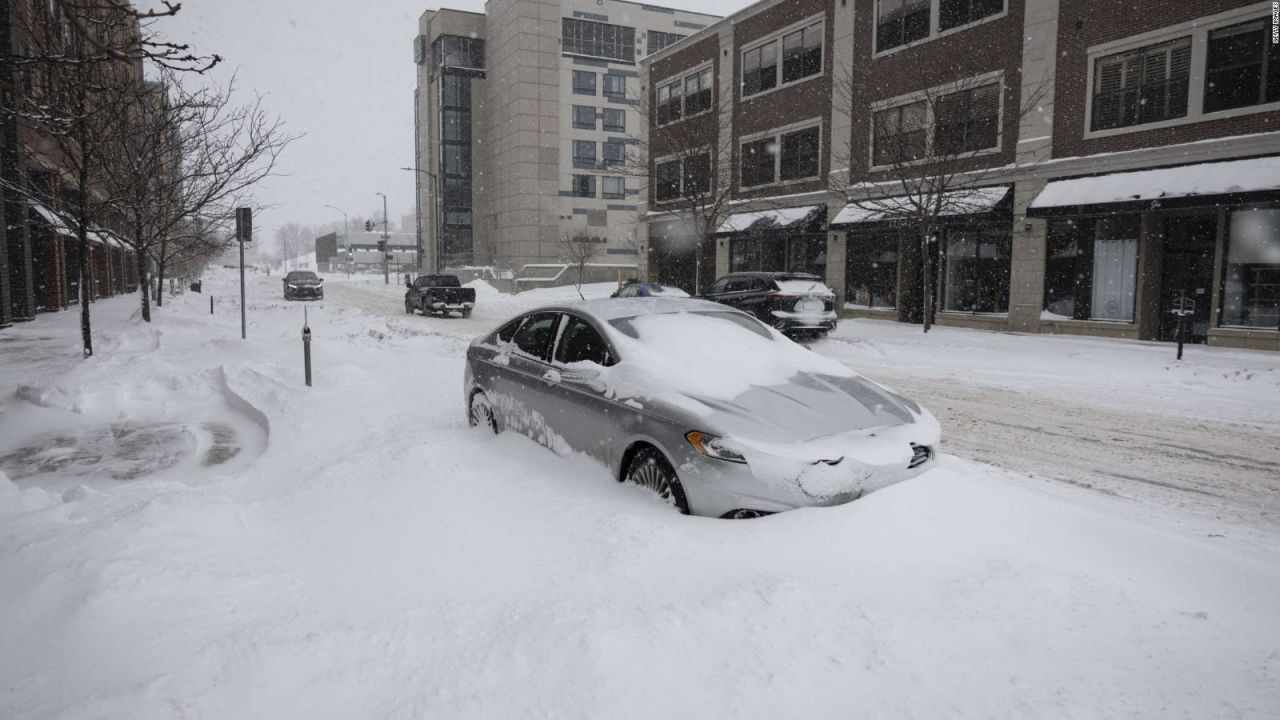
x: 523, y: 116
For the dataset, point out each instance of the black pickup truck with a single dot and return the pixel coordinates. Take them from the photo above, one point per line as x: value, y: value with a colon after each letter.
x: 439, y: 294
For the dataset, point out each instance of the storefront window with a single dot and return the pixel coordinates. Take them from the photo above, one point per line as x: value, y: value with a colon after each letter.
x: 977, y: 269
x: 1091, y: 269
x: 1251, y: 287
x: 806, y: 252
x: 871, y: 273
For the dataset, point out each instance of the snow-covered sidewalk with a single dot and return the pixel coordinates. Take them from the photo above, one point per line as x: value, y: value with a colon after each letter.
x: 363, y: 553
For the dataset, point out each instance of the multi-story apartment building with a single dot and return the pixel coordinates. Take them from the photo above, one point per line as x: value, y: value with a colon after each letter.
x: 1094, y: 165
x: 524, y: 117
x: 39, y: 249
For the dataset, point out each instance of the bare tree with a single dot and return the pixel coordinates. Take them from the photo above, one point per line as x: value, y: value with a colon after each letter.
x: 577, y: 250
x: 929, y: 157
x: 185, y: 159
x: 683, y: 142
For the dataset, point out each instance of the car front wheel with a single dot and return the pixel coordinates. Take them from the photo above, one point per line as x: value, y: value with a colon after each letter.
x: 481, y: 412
x: 650, y: 470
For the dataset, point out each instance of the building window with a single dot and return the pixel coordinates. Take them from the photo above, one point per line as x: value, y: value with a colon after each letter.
x: 871, y: 272
x: 954, y: 13
x: 1141, y: 86
x: 976, y: 269
x: 584, y: 186
x: 455, y: 126
x: 899, y: 22
x: 584, y: 117
x: 613, y: 187
x: 614, y: 152
x: 697, y: 175
x: 802, y: 53
x: 667, y: 185
x: 615, y: 86
x: 659, y: 40
x: 615, y: 120
x: 1242, y: 68
x: 760, y: 69
x: 584, y: 82
x: 1251, y: 286
x: 1091, y: 268
x: 774, y: 252
x: 697, y: 93
x: 758, y: 161
x: 799, y: 157
x: 968, y: 121
x: 669, y: 107
x: 900, y: 134
x: 597, y: 39
x: 455, y: 51
x: 584, y: 152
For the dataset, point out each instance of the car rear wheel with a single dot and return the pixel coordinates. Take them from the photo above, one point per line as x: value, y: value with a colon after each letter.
x: 408, y: 307
x: 650, y: 470
x: 481, y: 412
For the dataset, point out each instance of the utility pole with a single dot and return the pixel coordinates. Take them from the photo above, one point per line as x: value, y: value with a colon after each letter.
x: 386, y: 245
x: 435, y: 192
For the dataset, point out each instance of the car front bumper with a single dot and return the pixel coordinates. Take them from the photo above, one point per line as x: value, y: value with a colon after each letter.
x: 304, y: 293
x: 772, y: 482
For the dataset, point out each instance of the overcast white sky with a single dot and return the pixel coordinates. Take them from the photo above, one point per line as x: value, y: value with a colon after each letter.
x: 340, y: 71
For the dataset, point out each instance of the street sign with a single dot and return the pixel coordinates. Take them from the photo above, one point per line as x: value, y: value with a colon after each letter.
x: 244, y: 224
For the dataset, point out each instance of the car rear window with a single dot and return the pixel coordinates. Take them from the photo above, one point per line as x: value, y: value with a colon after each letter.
x: 440, y: 281
x: 802, y: 287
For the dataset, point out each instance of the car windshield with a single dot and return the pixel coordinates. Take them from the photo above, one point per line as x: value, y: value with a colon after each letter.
x: 667, y: 291
x: 300, y: 276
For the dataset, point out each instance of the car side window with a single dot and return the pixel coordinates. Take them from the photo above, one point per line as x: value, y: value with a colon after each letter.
x: 758, y: 284
x: 508, y: 331
x: 581, y: 343
x: 737, y: 285
x: 719, y: 286
x: 535, y: 335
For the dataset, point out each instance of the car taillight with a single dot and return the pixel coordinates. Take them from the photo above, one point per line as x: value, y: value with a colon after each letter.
x: 780, y: 296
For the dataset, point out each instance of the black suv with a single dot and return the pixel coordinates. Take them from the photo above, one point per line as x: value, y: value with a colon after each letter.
x: 791, y: 302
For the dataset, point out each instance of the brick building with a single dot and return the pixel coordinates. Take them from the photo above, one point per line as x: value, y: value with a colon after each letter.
x: 40, y: 251
x: 1112, y: 160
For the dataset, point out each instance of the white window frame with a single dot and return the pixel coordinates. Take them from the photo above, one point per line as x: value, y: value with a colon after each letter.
x: 820, y: 20
x: 679, y: 81
x: 931, y: 124
x: 680, y: 158
x: 776, y: 135
x: 1198, y: 29
x: 934, y: 32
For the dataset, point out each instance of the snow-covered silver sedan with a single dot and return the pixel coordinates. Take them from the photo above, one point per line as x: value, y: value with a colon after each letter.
x: 715, y: 412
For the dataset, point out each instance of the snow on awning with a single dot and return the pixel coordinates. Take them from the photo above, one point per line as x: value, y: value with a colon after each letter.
x: 1232, y: 181
x: 52, y: 219
x: 969, y: 201
x: 783, y: 219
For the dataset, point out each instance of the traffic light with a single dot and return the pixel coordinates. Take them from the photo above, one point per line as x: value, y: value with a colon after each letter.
x: 368, y: 226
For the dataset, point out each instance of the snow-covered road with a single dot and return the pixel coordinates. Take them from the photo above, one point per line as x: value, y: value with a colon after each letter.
x: 1124, y: 418
x: 369, y: 555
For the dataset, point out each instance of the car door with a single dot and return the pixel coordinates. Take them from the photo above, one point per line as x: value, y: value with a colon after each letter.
x: 524, y: 398
x: 754, y: 298
x: 717, y: 289
x: 581, y: 410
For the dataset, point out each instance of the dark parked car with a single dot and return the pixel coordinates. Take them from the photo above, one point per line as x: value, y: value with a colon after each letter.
x: 303, y: 285
x: 790, y: 302
x: 634, y: 288
x: 439, y: 294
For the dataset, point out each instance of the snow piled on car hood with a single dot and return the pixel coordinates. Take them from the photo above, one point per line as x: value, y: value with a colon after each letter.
x: 699, y: 354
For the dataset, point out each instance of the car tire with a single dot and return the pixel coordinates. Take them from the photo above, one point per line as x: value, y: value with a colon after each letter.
x: 408, y: 308
x: 480, y: 412
x: 466, y: 313
x: 650, y: 470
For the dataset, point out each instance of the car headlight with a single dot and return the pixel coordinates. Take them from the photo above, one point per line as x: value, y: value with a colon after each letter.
x: 292, y: 286
x: 713, y: 447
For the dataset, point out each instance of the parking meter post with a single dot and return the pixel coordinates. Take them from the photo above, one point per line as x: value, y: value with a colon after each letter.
x: 210, y: 304
x: 306, y: 347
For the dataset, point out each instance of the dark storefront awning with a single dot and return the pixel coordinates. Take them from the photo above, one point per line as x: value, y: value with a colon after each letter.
x: 52, y: 219
x: 1232, y: 182
x: 801, y: 219
x: 899, y: 208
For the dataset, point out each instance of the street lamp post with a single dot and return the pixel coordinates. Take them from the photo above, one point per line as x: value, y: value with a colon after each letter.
x: 386, y: 244
x: 435, y: 201
x: 346, y: 238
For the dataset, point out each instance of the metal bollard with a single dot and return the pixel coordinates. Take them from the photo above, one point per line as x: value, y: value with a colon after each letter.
x: 210, y: 304
x: 306, y: 346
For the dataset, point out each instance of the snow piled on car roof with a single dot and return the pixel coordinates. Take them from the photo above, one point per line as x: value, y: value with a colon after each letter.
x: 718, y: 354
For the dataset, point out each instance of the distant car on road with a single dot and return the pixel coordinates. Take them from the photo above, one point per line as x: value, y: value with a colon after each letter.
x: 794, y: 303
x: 303, y: 285
x: 439, y: 294
x: 704, y: 405
x: 634, y: 288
